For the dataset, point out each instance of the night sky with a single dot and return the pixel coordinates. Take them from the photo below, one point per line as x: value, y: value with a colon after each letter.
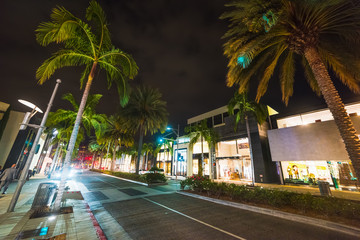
x: 176, y: 44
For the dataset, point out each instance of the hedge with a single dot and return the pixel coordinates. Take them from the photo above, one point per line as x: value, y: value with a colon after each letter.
x: 328, y: 206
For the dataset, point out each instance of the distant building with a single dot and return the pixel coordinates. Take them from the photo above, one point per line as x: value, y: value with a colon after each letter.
x: 230, y: 160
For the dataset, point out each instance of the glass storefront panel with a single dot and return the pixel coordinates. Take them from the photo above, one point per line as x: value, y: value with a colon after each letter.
x: 337, y: 173
x: 234, y: 169
x: 206, y: 166
x: 233, y: 160
x: 181, y: 161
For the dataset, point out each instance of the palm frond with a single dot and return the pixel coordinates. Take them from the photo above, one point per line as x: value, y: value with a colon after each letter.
x: 62, y: 58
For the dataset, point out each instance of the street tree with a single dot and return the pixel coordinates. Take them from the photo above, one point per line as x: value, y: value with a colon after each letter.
x: 201, y: 132
x: 117, y: 135
x: 145, y: 113
x: 267, y: 35
x: 87, y: 46
x: 245, y: 107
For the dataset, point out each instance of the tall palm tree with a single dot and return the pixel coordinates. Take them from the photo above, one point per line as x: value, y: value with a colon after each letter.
x: 118, y: 136
x: 83, y: 46
x: 323, y: 34
x: 246, y: 107
x: 144, y: 113
x: 201, y: 132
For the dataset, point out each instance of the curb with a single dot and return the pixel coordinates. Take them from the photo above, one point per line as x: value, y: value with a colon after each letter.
x: 284, y: 215
x: 100, y: 233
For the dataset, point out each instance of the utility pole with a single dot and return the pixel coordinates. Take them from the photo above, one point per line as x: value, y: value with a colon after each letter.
x: 25, y: 170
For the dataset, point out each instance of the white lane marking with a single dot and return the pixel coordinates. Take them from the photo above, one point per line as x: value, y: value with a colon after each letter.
x: 194, y: 219
x: 128, y: 180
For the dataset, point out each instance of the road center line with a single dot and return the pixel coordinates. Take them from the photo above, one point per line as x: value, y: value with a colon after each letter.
x: 194, y: 219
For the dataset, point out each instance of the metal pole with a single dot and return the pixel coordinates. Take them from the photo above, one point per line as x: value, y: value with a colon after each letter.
x: 177, y: 153
x: 24, y: 173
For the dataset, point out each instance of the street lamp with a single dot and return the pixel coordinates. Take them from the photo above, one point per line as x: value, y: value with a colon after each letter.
x: 176, y: 132
x: 29, y: 115
x: 25, y: 170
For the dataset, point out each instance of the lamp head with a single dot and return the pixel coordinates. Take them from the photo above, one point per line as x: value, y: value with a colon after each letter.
x: 30, y: 105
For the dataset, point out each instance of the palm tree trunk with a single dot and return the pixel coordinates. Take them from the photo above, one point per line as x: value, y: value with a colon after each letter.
x: 336, y: 107
x: 53, y: 164
x: 139, y: 149
x: 73, y: 137
x: 101, y: 159
x: 146, y: 160
x: 114, y: 157
x: 93, y: 160
x: 250, y: 148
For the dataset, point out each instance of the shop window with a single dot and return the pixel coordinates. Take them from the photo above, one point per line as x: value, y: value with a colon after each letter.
x: 218, y: 119
x: 209, y: 122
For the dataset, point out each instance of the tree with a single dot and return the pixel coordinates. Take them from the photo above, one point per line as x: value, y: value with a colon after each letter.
x: 148, y: 148
x: 246, y: 107
x: 83, y: 46
x: 117, y: 136
x: 201, y: 132
x: 94, y: 147
x: 145, y: 112
x: 323, y: 34
x: 90, y: 120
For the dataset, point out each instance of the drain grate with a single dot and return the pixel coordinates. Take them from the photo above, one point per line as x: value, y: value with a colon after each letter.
x: 131, y: 191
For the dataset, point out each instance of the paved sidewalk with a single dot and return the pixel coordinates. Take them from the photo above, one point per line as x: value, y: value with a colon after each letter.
x: 76, y: 225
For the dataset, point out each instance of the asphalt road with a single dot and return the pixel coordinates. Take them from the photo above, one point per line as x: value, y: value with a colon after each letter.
x: 161, y: 213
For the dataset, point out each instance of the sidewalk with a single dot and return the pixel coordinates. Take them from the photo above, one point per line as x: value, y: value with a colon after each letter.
x: 16, y: 225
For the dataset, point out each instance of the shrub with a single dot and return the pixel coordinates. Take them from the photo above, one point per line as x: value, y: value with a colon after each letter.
x: 277, y: 198
x: 155, y: 177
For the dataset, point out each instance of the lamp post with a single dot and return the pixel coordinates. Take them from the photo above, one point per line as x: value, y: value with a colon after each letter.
x: 25, y: 170
x: 176, y: 132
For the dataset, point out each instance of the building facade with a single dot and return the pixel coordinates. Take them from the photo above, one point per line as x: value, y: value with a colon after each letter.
x: 309, y: 148
x: 230, y: 159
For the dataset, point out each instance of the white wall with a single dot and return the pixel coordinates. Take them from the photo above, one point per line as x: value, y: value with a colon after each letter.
x: 316, y: 141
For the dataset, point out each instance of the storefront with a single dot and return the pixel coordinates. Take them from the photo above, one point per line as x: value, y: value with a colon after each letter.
x: 309, y: 149
x: 180, y: 162
x: 233, y: 160
x: 198, y: 149
x: 164, y: 161
x: 340, y: 174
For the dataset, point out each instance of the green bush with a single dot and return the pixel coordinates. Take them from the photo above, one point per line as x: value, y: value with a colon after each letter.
x: 155, y: 177
x: 304, y: 202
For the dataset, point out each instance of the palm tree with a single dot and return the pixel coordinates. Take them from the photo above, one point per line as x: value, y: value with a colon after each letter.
x: 167, y: 145
x: 323, y: 34
x: 90, y: 120
x: 246, y: 107
x: 148, y: 148
x: 145, y: 112
x: 94, y: 147
x: 201, y: 132
x: 118, y: 135
x: 83, y: 46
